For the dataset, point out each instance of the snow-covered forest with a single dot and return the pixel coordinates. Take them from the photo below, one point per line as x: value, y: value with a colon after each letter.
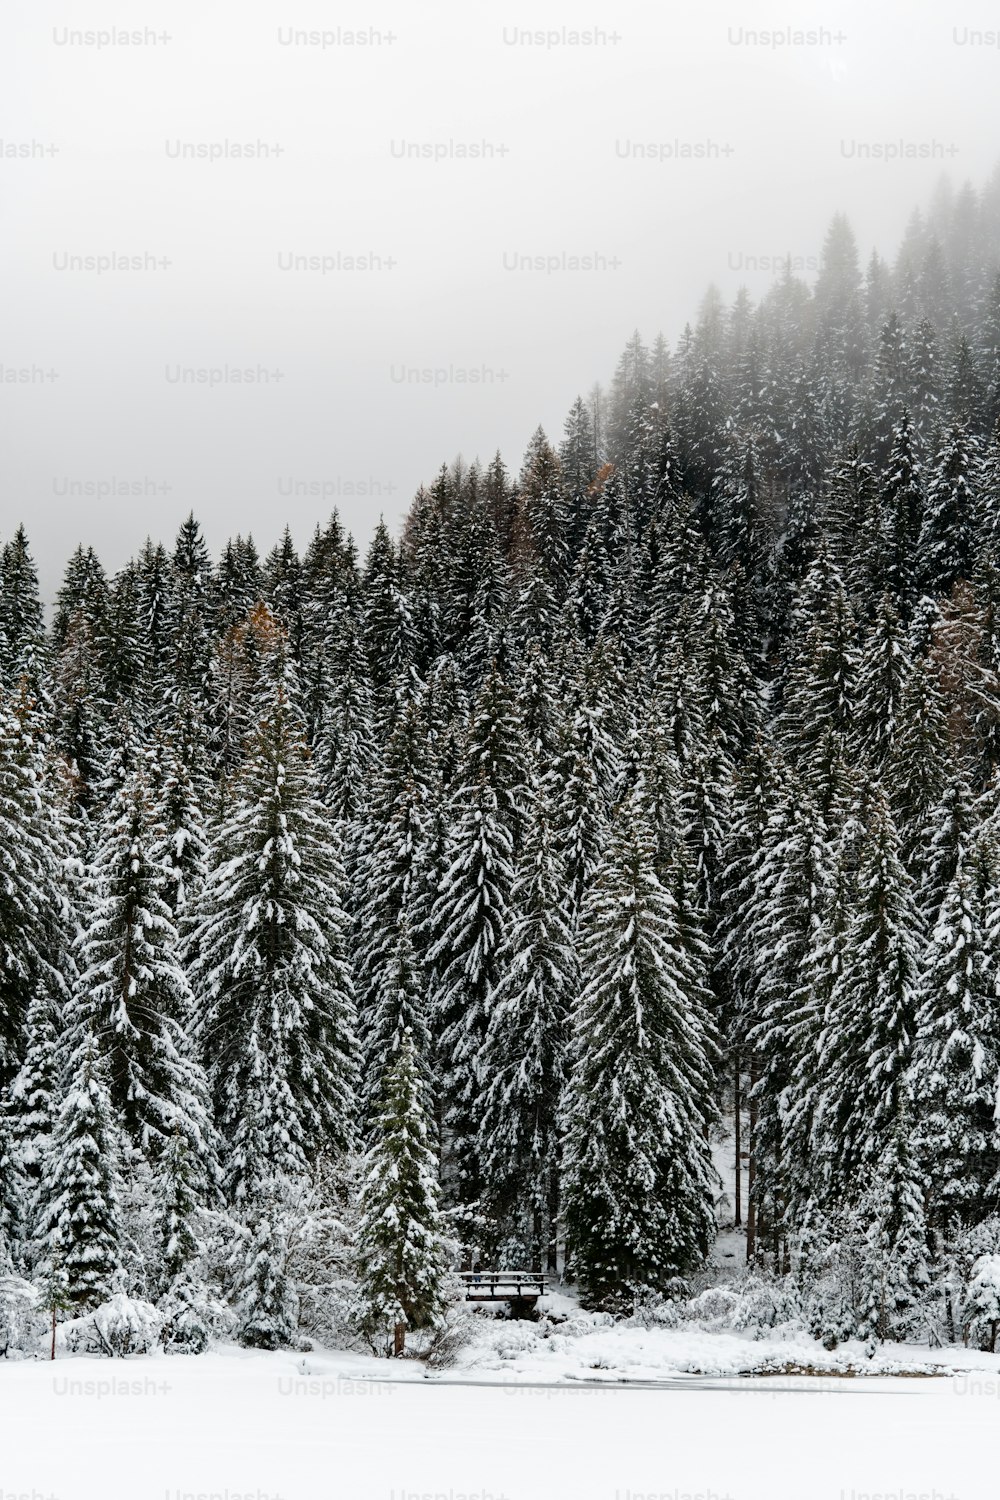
x: 365, y: 917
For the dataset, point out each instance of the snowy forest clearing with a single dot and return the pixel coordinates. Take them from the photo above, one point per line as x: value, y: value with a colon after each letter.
x: 236, y: 1423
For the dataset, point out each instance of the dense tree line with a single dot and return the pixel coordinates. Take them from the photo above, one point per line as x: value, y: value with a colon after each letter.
x: 652, y: 786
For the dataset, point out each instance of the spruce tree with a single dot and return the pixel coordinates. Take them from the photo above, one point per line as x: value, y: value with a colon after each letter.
x: 402, y: 1232
x: 268, y: 966
x: 947, y: 532
x: 791, y: 897
x: 81, y: 1224
x: 955, y: 1051
x: 13, y: 1193
x: 637, y: 1179
x: 901, y: 508
x: 883, y: 674
x: 132, y: 995
x: 390, y: 943
x: 524, y: 1059
x: 868, y: 1039
x: 35, y: 1090
x: 27, y: 877
x: 22, y: 623
x: 268, y: 1312
x: 466, y: 927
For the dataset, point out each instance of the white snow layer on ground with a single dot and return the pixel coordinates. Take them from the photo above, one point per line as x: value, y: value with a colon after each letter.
x: 235, y: 1424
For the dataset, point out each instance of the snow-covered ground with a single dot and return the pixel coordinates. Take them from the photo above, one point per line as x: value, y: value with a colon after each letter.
x: 328, y: 1425
x: 589, y: 1347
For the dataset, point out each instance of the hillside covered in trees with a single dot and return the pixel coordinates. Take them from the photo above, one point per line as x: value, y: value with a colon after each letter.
x: 363, y: 916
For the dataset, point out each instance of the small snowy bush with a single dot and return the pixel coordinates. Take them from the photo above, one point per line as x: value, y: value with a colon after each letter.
x: 981, y: 1306
x: 19, y: 1322
x: 121, y: 1326
x: 453, y: 1330
x: 656, y: 1311
x: 754, y: 1302
x: 191, y: 1317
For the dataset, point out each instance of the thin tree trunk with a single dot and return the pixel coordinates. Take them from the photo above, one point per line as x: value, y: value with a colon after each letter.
x: 737, y: 1108
x: 53, y: 1353
x: 399, y: 1340
x: 552, y: 1244
x: 752, y: 1203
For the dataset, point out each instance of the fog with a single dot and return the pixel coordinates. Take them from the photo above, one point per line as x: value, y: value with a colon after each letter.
x: 470, y: 166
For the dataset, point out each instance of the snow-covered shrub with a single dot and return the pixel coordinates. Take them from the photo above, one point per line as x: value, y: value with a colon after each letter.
x: 715, y: 1304
x: 269, y: 1307
x: 507, y: 1340
x: 120, y: 1327
x: 452, y: 1331
x: 981, y: 1304
x: 323, y: 1256
x: 19, y: 1315
x: 191, y: 1317
x: 654, y: 1310
x: 831, y: 1279
x: 753, y: 1302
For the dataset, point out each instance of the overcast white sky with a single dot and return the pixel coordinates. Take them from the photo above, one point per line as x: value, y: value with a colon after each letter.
x: 565, y: 183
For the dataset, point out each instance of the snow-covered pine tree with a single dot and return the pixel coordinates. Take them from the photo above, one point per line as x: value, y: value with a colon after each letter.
x: 268, y: 967
x: 189, y: 618
x: 804, y: 1101
x: 402, y: 1242
x: 947, y: 531
x: 920, y: 765
x: 883, y: 674
x: 955, y: 1059
x: 153, y: 621
x: 388, y: 622
x: 895, y: 1270
x: 580, y: 783
x: 180, y: 839
x: 132, y: 996
x: 344, y: 746
x: 34, y: 1092
x: 820, y: 686
x: 868, y: 1039
x: 945, y: 841
x: 546, y: 516
x: 26, y: 877
x: 281, y: 587
x: 81, y: 1221
x: 463, y: 927
x: 80, y: 709
x: 268, y: 1314
x: 466, y: 927
x: 389, y: 876
x: 579, y: 461
x: 638, y: 1179
x: 850, y: 520
x: 13, y: 1192
x: 399, y: 1004
x: 901, y: 509
x: 792, y: 886
x: 23, y: 648
x: 524, y: 1055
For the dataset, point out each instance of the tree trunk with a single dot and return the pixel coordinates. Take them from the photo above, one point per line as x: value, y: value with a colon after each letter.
x: 52, y: 1355
x: 552, y: 1228
x: 399, y: 1340
x: 737, y: 1107
x: 751, y: 1204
